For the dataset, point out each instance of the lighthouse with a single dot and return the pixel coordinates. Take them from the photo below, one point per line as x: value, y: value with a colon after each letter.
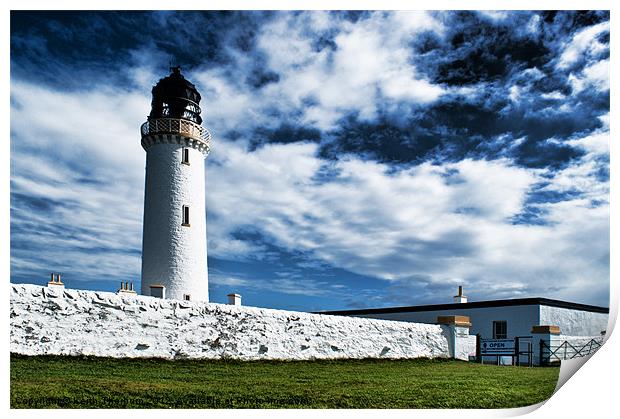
x: 174, y: 239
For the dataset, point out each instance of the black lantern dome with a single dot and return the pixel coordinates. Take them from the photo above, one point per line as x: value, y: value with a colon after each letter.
x: 175, y: 97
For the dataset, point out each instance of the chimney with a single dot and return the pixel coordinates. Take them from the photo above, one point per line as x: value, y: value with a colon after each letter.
x: 126, y: 288
x: 55, y: 281
x: 460, y: 298
x: 234, y: 299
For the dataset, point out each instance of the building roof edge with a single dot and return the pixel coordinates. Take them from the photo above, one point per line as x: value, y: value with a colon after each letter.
x: 474, y: 304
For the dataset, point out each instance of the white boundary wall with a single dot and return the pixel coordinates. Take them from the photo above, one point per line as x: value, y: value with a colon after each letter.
x: 76, y: 322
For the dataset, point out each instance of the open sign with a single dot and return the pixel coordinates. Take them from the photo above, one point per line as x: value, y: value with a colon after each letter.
x: 497, y: 346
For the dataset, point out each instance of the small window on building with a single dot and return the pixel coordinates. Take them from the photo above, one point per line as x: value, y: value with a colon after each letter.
x: 185, y: 158
x: 500, y: 329
x: 186, y: 297
x: 185, y: 216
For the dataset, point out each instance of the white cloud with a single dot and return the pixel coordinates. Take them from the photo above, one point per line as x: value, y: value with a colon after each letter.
x: 514, y: 93
x: 372, y: 57
x: 284, y: 36
x: 98, y: 124
x: 555, y: 95
x: 230, y: 281
x: 533, y: 26
x: 447, y: 224
x: 605, y: 121
x: 284, y: 282
x: 226, y: 106
x: 444, y: 223
x: 595, y: 76
x: 369, y: 66
x: 438, y: 222
x: 584, y: 43
x: 495, y: 15
x: 596, y: 144
x: 584, y: 177
x: 79, y: 155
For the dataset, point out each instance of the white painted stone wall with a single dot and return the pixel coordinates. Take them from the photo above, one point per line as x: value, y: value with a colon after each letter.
x: 462, y: 345
x: 174, y: 255
x: 76, y: 322
x: 574, y: 322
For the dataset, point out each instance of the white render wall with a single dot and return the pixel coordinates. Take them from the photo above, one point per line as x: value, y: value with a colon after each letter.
x: 574, y: 322
x: 174, y: 255
x: 52, y: 320
x: 520, y: 319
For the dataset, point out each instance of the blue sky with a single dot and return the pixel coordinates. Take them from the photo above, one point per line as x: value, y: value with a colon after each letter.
x: 360, y: 159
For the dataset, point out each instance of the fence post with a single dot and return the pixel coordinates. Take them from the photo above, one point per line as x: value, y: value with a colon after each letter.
x: 541, y: 355
x: 544, y: 334
x: 565, y: 348
x: 517, y: 354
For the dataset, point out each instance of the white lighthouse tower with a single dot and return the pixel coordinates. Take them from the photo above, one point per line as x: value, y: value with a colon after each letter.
x: 174, y: 240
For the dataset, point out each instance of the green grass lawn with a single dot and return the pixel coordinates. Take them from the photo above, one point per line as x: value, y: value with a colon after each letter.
x: 88, y: 382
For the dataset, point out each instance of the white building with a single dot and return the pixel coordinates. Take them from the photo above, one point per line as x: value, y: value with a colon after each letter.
x: 174, y: 242
x: 501, y: 319
x: 533, y: 331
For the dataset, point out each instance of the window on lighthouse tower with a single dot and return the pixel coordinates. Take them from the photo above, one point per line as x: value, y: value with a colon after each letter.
x: 185, y: 221
x: 185, y: 156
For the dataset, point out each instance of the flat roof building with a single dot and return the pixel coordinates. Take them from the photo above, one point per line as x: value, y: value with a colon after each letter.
x: 501, y: 319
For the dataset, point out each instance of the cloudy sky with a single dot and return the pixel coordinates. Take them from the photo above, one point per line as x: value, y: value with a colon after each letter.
x: 359, y: 159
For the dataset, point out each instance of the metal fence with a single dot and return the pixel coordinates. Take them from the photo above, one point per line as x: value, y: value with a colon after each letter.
x: 519, y: 350
x: 557, y: 351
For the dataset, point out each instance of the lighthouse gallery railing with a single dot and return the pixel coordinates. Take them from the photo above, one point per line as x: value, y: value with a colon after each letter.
x: 175, y: 126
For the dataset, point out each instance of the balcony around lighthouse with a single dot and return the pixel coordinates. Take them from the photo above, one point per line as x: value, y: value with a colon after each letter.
x: 176, y: 126
x: 180, y: 131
